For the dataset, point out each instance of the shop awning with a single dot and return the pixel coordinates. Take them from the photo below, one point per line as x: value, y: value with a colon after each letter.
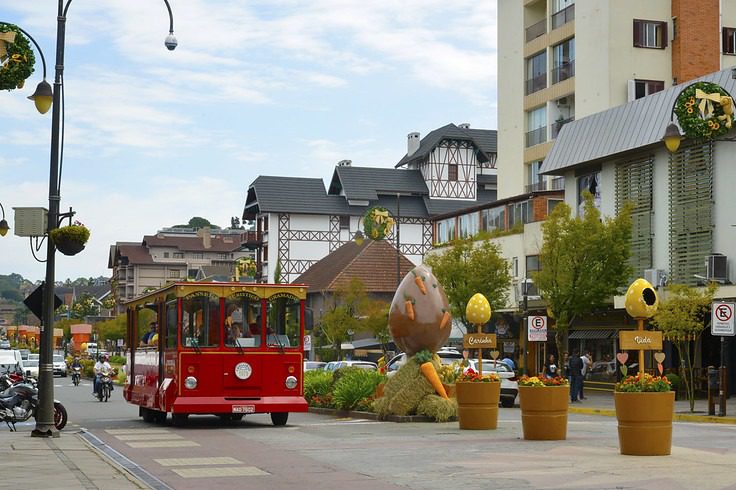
x: 598, y: 333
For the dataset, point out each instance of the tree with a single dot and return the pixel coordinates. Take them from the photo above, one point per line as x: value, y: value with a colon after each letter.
x: 12, y: 295
x: 584, y: 261
x: 338, y: 322
x: 682, y: 319
x: 85, y: 306
x: 112, y: 329
x: 198, y: 222
x: 375, y: 321
x: 469, y: 267
x: 277, y: 272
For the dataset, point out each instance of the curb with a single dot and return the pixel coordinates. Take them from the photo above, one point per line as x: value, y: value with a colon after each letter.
x: 682, y: 417
x: 373, y: 416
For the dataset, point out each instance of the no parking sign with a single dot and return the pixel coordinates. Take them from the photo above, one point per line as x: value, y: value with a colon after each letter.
x: 537, y: 328
x: 722, y: 321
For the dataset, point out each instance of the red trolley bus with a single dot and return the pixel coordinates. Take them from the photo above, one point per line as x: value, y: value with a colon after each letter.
x: 227, y: 349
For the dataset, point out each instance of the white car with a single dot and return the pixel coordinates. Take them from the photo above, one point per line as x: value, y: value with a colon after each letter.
x: 59, y: 365
x: 447, y: 355
x: 509, y: 384
x: 335, y: 365
x: 30, y: 367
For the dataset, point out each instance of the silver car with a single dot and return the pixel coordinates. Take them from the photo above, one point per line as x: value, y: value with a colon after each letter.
x: 509, y: 384
x: 59, y: 365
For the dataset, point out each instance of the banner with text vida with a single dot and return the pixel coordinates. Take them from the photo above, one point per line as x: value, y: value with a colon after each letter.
x: 537, y: 328
x: 640, y: 339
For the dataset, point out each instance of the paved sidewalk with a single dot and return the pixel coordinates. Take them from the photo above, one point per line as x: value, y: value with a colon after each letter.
x: 76, y: 460
x: 67, y: 462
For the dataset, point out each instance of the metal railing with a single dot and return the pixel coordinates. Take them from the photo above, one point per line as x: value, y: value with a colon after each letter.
x: 557, y: 125
x: 536, y: 30
x: 536, y: 136
x: 563, y: 16
x: 563, y: 72
x: 536, y: 84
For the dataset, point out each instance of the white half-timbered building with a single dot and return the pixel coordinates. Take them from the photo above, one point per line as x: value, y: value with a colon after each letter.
x: 301, y: 222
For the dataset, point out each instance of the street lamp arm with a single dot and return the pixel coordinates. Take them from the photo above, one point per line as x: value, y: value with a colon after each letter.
x: 38, y: 48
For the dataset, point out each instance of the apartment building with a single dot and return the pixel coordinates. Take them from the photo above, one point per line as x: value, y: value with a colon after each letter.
x: 573, y: 59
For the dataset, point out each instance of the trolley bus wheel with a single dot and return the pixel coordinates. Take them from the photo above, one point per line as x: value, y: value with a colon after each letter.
x: 160, y: 417
x: 279, y: 418
x: 179, y: 419
x: 147, y: 414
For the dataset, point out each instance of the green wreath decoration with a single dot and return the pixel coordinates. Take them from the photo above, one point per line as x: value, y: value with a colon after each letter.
x: 17, y: 61
x: 377, y: 223
x: 704, y: 110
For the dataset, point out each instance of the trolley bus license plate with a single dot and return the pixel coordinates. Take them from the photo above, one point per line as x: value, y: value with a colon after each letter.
x: 244, y: 409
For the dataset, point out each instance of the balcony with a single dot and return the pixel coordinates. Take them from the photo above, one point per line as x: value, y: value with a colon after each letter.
x: 563, y: 16
x: 563, y: 72
x: 536, y: 137
x: 536, y: 84
x: 252, y: 239
x: 556, y: 184
x: 536, y: 30
x: 557, y: 125
x: 536, y: 187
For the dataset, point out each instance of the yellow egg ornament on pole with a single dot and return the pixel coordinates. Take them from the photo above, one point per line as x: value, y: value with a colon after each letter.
x: 478, y: 312
x: 641, y: 303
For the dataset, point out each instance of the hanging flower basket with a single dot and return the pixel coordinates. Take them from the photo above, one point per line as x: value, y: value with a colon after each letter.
x: 70, y: 240
x: 16, y: 58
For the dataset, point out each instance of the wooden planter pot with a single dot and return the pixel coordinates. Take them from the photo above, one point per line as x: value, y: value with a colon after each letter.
x: 645, y: 422
x: 544, y: 412
x: 450, y: 389
x: 477, y: 404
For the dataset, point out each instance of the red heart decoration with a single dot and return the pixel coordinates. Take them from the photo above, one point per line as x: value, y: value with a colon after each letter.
x: 661, y: 369
x: 622, y: 357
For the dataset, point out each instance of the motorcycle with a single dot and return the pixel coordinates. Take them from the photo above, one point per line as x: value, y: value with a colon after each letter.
x: 76, y: 375
x: 104, y: 386
x: 19, y: 402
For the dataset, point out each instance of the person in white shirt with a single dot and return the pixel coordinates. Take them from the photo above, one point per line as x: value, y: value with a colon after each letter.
x: 102, y: 365
x: 587, y: 359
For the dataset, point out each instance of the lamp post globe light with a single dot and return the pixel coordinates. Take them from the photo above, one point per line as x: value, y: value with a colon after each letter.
x: 44, y: 97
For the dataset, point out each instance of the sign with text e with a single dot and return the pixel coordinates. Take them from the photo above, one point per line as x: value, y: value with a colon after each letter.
x: 640, y: 340
x: 537, y: 328
x: 479, y: 341
x: 722, y: 322
x: 307, y: 342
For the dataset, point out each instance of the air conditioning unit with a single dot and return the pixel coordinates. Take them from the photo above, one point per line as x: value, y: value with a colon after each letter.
x: 655, y: 277
x: 563, y: 102
x: 528, y: 288
x: 716, y: 267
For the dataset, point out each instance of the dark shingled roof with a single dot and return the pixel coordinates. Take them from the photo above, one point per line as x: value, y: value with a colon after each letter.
x: 274, y: 194
x: 134, y: 253
x: 373, y: 262
x: 218, y: 243
x: 366, y: 183
x: 484, y: 140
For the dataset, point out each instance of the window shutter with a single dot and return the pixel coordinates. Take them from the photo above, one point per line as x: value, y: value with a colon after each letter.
x: 724, y: 40
x: 631, y: 90
x: 665, y: 38
x: 637, y: 33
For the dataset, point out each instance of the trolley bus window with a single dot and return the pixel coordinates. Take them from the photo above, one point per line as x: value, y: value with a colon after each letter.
x: 200, y: 321
x: 242, y: 321
x: 146, y: 316
x: 283, y: 321
x: 171, y: 324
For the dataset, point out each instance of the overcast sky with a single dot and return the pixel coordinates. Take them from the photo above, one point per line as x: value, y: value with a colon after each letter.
x: 274, y: 87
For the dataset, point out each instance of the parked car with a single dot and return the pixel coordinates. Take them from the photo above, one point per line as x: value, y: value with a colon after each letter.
x: 34, y: 357
x: 509, y: 384
x: 24, y: 353
x: 4, y: 344
x: 447, y: 355
x: 314, y: 365
x: 335, y: 365
x: 59, y: 365
x: 30, y: 367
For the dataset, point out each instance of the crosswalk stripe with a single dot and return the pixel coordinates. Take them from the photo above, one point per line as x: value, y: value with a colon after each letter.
x: 197, y: 461
x: 137, y: 431
x: 162, y: 444
x: 158, y: 436
x: 219, y: 472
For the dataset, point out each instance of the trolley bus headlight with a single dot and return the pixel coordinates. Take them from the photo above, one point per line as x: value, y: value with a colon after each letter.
x: 243, y: 370
x: 190, y: 383
x: 291, y: 382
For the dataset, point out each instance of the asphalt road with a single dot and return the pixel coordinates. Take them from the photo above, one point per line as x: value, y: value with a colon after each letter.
x: 324, y: 452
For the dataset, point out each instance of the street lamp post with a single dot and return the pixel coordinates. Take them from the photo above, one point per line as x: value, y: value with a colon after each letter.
x: 45, y: 416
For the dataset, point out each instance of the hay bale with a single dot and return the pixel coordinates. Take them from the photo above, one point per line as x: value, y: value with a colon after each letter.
x: 438, y: 408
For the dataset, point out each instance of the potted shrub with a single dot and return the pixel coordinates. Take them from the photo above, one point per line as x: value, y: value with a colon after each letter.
x: 477, y: 399
x: 544, y: 403
x: 70, y: 240
x: 644, y: 408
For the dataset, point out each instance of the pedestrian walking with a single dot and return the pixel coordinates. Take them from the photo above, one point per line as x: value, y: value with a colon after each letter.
x: 576, y: 376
